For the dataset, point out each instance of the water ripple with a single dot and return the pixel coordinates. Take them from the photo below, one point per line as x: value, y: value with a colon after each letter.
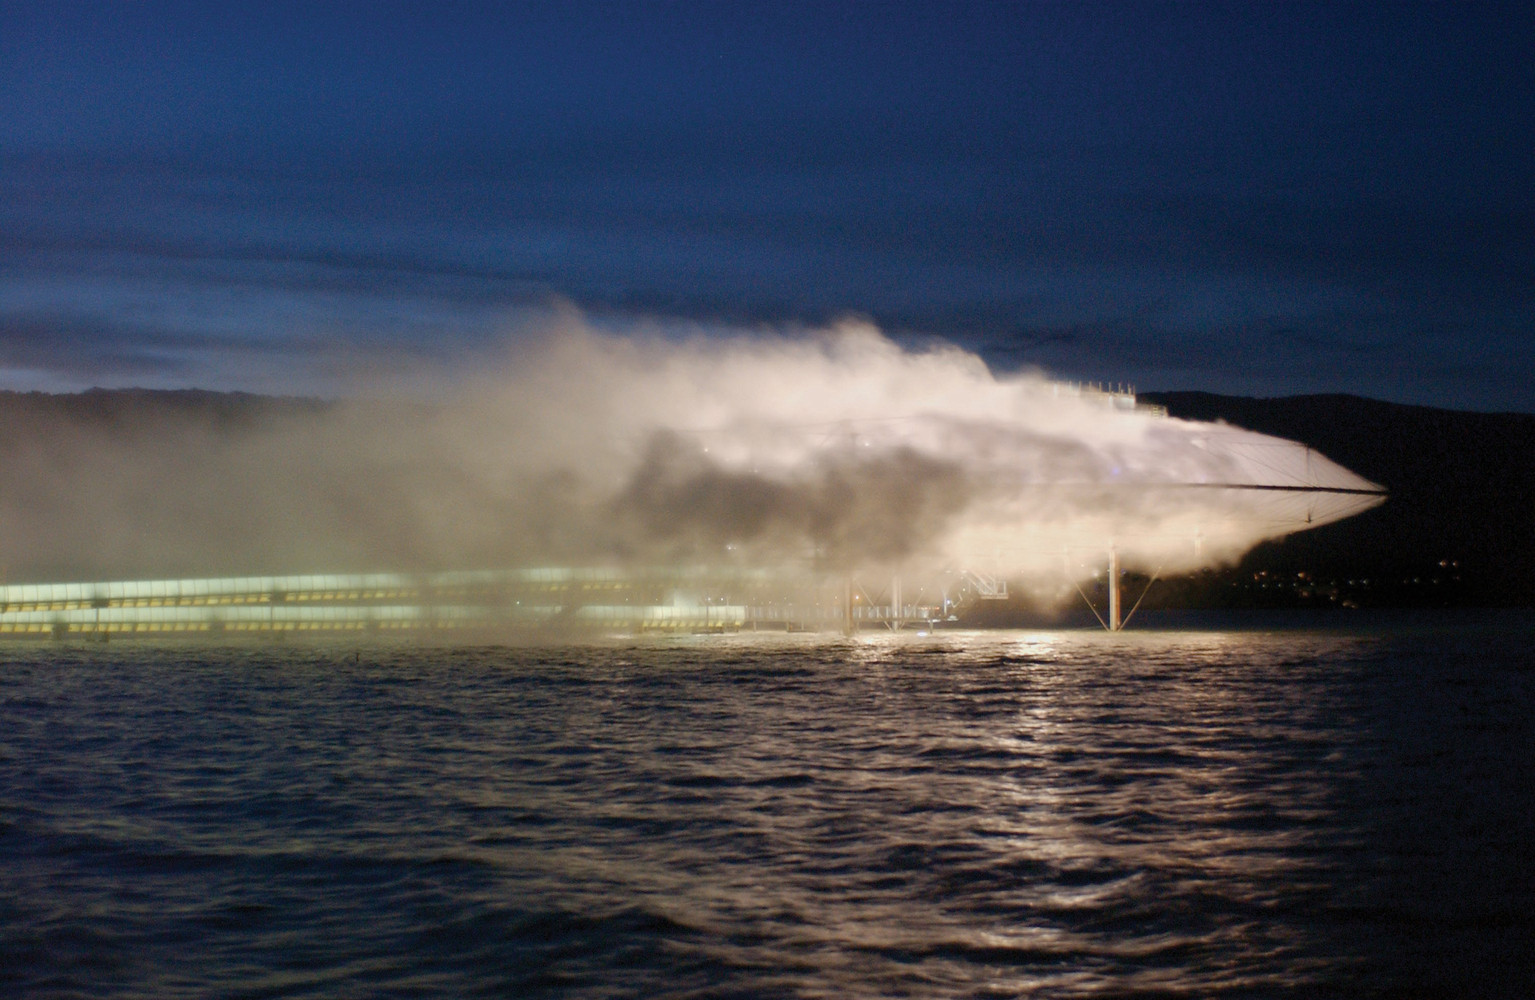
x: 1055, y: 814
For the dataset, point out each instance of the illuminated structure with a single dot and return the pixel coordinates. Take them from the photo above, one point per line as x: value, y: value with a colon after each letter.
x: 1154, y: 494
x: 552, y: 599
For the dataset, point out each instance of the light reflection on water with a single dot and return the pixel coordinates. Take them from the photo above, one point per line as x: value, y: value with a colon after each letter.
x: 957, y: 814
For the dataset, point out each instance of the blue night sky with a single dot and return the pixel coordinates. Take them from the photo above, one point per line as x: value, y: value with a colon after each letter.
x: 1250, y: 198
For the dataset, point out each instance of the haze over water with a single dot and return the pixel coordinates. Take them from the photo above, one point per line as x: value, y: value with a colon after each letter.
x: 1337, y: 805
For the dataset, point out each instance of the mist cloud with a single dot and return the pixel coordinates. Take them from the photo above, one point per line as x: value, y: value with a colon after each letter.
x: 829, y: 451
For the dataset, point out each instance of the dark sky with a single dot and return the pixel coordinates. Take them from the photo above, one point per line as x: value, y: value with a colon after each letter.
x: 1251, y: 198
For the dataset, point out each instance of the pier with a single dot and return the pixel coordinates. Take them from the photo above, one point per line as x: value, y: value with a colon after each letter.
x: 550, y: 599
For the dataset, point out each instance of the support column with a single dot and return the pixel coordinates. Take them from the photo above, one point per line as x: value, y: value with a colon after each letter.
x: 847, y: 605
x: 1113, y: 590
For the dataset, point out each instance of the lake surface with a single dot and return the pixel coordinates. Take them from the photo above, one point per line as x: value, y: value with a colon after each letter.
x: 1322, y: 805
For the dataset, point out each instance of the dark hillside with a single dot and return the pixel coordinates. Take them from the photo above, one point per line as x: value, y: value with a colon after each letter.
x: 1459, y: 527
x: 133, y: 409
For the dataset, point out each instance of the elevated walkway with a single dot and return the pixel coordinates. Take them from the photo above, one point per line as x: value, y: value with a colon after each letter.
x: 549, y: 598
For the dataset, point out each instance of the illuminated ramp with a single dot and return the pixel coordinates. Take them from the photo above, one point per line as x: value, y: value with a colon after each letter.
x: 539, y: 600
x: 377, y: 602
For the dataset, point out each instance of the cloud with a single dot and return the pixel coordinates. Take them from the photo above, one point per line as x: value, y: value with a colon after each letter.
x: 1042, y: 254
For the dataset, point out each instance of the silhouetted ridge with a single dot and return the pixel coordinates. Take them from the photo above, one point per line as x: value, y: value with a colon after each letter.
x: 1460, y: 520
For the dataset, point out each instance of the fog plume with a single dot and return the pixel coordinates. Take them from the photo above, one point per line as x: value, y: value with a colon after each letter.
x: 831, y: 451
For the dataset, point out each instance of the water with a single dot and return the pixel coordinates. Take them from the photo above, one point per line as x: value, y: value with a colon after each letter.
x: 1264, y: 811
